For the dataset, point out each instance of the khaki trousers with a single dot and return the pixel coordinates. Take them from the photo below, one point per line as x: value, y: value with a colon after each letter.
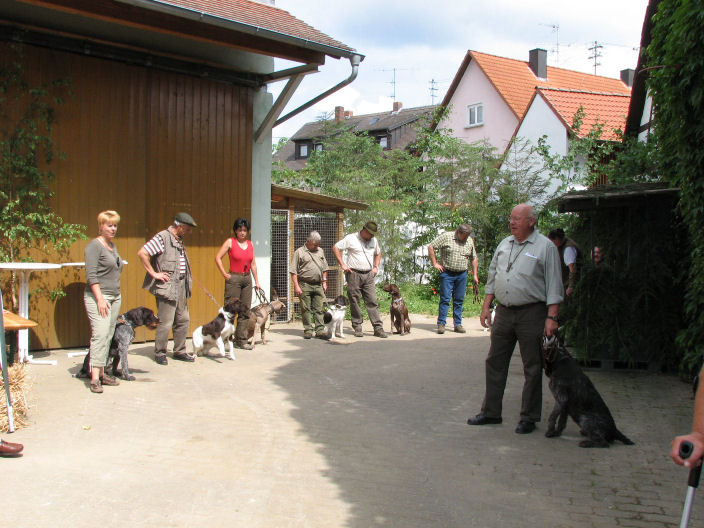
x: 361, y: 286
x: 101, y: 328
x: 312, y: 300
x: 239, y: 286
x: 173, y: 317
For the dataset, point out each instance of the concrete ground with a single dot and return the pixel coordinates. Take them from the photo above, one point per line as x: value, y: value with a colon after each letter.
x: 305, y: 433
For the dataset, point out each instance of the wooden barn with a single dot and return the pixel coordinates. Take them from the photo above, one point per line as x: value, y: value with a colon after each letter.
x: 169, y: 112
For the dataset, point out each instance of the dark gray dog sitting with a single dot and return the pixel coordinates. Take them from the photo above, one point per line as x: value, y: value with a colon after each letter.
x: 121, y: 340
x: 576, y: 396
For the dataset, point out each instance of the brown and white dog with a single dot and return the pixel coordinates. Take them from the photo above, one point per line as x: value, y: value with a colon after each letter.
x: 399, y: 312
x: 258, y: 316
x: 218, y: 331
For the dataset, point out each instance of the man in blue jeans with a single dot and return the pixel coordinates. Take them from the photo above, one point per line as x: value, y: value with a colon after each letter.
x: 451, y: 254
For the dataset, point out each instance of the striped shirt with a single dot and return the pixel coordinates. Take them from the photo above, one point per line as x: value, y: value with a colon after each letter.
x: 156, y: 246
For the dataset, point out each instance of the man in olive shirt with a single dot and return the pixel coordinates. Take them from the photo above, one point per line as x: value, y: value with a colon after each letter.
x: 451, y: 254
x: 309, y: 272
x: 525, y: 278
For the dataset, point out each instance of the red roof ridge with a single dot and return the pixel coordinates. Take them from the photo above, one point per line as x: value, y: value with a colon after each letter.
x: 570, y: 90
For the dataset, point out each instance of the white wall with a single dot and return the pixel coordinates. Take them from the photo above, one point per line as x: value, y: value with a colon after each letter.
x: 261, y: 192
x: 499, y: 120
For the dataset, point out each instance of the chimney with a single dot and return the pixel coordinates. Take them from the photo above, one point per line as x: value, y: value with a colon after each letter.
x: 339, y: 114
x: 627, y: 76
x: 348, y: 114
x: 397, y: 106
x: 538, y: 62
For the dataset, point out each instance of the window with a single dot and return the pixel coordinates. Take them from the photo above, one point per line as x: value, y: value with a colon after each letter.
x: 318, y: 146
x: 303, y: 151
x: 384, y: 142
x: 475, y: 115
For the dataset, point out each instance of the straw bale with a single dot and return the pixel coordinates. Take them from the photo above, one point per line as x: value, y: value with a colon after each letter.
x: 20, y: 384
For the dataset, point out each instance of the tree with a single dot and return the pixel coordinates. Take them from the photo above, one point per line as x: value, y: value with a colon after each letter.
x: 676, y: 59
x: 27, y: 115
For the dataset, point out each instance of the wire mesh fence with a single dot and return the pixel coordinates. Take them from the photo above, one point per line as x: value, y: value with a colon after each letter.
x: 286, y: 236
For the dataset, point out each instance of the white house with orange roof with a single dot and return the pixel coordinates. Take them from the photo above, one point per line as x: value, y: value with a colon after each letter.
x: 498, y: 99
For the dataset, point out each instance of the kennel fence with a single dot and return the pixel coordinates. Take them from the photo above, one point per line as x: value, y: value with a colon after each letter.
x: 289, y: 231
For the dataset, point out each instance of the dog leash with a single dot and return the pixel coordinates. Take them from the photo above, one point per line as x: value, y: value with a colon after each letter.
x: 206, y: 291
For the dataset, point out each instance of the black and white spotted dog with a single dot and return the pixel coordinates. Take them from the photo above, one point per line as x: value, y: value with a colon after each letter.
x: 121, y: 341
x: 335, y: 317
x: 219, y: 330
x: 576, y: 396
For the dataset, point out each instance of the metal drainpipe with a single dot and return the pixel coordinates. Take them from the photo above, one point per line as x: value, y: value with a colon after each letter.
x: 355, y: 60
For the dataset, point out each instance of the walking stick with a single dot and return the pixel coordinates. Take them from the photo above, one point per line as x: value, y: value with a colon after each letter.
x: 686, y: 449
x: 5, y: 377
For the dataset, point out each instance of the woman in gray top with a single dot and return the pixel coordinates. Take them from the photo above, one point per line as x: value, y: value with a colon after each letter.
x: 102, y: 297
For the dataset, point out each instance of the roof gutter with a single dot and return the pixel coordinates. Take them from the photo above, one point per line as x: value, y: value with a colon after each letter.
x: 199, y: 16
x: 354, y: 62
x: 270, y: 120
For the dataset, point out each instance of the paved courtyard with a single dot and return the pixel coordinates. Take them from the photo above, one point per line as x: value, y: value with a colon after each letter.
x: 305, y: 433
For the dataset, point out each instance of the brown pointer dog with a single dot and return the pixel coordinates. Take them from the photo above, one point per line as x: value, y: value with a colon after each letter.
x: 399, y: 312
x: 258, y: 317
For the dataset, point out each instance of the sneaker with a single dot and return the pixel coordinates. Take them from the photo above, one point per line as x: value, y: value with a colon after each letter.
x: 380, y: 333
x: 322, y: 335
x: 109, y: 380
x: 358, y: 332
x: 96, y: 387
x: 161, y: 359
x: 307, y: 334
x: 460, y: 329
x: 441, y: 329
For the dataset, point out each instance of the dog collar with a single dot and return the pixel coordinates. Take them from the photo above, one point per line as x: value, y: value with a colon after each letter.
x: 398, y: 301
x: 122, y: 320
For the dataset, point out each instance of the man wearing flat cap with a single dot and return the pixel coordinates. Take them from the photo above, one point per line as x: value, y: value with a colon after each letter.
x: 361, y: 266
x: 169, y: 279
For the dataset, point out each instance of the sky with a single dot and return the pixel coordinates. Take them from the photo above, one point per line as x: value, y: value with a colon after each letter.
x: 420, y: 44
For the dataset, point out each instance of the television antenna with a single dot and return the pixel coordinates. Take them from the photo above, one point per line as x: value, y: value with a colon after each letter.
x: 393, y: 79
x: 596, y: 54
x: 556, y: 49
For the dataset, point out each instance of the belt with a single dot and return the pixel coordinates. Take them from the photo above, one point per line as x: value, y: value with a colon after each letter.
x: 361, y: 272
x: 455, y: 271
x: 309, y: 282
x: 522, y: 306
x: 243, y: 273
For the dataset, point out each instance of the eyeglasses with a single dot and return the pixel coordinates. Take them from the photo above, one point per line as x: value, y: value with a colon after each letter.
x: 118, y: 262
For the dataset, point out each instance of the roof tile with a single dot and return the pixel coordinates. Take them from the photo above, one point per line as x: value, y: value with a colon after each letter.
x: 516, y: 82
x: 608, y: 109
x: 259, y: 15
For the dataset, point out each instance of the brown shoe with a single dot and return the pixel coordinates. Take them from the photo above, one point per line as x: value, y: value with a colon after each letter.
x: 96, y: 387
x: 441, y: 329
x: 109, y: 380
x: 244, y: 346
x: 358, y: 332
x: 460, y: 329
x: 307, y: 334
x: 9, y: 449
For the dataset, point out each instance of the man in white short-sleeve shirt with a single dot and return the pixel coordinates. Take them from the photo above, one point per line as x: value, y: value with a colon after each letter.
x: 361, y: 265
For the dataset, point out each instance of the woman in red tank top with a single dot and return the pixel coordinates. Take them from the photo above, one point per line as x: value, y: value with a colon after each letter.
x: 238, y: 282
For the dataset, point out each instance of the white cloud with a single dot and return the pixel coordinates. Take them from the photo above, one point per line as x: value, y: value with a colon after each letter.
x: 427, y: 41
